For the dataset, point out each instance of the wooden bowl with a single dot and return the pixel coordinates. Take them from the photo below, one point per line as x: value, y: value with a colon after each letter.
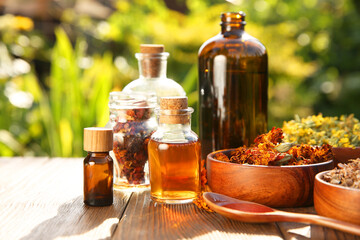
x: 343, y: 154
x: 335, y: 201
x: 274, y: 186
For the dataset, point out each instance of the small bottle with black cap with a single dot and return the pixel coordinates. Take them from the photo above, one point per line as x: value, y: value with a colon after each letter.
x: 98, y: 167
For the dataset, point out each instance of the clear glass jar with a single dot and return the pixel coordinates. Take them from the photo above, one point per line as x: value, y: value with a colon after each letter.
x: 174, y: 158
x: 133, y: 121
x: 152, y: 69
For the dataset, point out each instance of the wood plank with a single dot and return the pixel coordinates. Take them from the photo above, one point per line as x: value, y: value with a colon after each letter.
x: 292, y: 230
x: 6, y: 160
x: 44, y: 200
x: 323, y: 233
x: 13, y: 171
x: 144, y: 219
x: 41, y: 198
x: 306, y: 231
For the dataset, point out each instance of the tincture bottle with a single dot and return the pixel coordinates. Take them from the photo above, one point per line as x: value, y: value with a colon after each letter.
x: 152, y: 68
x: 174, y: 154
x: 98, y: 167
x: 233, y: 87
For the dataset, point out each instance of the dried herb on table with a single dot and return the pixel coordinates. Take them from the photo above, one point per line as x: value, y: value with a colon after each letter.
x: 203, y: 175
x: 268, y: 150
x: 130, y: 143
x: 199, y: 201
x: 347, y: 175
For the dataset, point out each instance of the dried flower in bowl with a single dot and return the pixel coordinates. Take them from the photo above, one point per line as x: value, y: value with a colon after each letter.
x: 268, y: 150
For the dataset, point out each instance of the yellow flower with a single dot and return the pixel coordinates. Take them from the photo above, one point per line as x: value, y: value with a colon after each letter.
x: 309, y: 131
x: 344, y: 141
x: 23, y: 23
x: 301, y: 132
x: 341, y: 131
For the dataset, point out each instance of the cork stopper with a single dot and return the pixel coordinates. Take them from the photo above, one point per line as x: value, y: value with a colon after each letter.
x: 173, y: 103
x: 98, y: 139
x: 174, y: 110
x: 152, y: 48
x: 151, y: 62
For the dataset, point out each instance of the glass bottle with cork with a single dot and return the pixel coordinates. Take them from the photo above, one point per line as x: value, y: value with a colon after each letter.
x: 152, y: 68
x: 174, y: 154
x: 233, y: 85
x: 98, y: 167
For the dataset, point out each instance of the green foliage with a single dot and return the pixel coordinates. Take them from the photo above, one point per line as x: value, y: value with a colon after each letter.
x: 77, y: 98
x: 313, y: 63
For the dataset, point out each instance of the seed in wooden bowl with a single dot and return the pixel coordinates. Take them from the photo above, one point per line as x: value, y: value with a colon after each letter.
x: 347, y: 175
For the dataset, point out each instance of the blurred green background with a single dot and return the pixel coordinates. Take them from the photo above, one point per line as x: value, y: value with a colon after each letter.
x: 60, y: 59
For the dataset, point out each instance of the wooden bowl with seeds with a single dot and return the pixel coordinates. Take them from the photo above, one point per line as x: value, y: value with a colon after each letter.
x: 336, y: 201
x: 274, y: 186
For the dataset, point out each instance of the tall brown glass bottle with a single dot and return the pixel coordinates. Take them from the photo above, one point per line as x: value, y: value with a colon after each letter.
x: 233, y: 85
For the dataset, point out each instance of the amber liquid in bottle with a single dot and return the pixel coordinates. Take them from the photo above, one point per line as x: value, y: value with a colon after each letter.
x: 174, y: 171
x: 98, y: 179
x: 233, y: 83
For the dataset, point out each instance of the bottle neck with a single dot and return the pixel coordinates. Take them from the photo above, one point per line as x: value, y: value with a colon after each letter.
x: 232, y: 28
x: 232, y: 23
x: 166, y: 127
x: 98, y: 154
x: 152, y: 65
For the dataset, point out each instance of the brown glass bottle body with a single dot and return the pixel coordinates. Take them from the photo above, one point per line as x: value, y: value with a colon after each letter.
x: 98, y: 179
x: 233, y: 85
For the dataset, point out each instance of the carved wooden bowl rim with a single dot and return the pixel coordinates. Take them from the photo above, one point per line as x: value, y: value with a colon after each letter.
x: 210, y: 157
x: 319, y: 178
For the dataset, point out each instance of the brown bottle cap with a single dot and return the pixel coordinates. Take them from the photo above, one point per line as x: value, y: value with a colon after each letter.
x: 98, y: 139
x: 152, y: 48
x: 173, y: 110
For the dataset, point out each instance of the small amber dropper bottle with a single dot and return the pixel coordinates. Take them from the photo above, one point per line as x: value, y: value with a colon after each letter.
x: 98, y: 167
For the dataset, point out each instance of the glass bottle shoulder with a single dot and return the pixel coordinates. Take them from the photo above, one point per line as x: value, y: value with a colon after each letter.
x: 174, y: 136
x: 98, y: 157
x: 241, y: 43
x: 161, y: 86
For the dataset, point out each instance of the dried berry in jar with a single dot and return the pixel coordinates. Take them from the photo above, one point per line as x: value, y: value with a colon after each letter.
x: 133, y: 123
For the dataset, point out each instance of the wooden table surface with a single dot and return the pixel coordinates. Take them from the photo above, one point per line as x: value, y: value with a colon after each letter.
x: 42, y: 198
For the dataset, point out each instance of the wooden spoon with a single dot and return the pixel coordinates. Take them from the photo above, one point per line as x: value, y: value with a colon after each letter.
x: 252, y: 212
